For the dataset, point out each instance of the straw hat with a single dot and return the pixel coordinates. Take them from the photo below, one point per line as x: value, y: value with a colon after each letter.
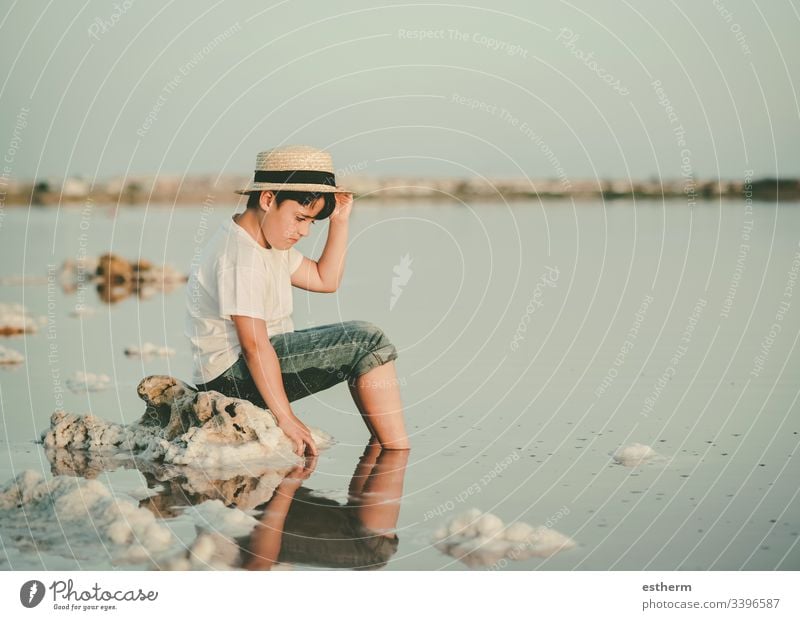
x: 294, y: 168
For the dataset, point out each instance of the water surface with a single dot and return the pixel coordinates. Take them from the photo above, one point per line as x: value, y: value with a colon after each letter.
x: 534, y: 340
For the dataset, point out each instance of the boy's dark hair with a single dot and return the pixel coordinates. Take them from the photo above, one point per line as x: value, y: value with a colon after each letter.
x: 304, y: 198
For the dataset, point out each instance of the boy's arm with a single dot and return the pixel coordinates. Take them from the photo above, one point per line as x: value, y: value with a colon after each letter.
x: 325, y: 275
x: 265, y: 368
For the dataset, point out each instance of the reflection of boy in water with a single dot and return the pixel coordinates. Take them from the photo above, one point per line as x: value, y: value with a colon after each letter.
x: 300, y: 527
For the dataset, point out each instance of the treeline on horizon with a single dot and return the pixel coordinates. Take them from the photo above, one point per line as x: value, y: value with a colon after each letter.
x: 195, y: 190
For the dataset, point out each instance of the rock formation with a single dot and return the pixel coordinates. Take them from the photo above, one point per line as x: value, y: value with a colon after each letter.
x: 183, y: 426
x: 482, y: 539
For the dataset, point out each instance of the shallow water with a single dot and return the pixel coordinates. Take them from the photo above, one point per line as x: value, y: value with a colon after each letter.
x: 518, y: 389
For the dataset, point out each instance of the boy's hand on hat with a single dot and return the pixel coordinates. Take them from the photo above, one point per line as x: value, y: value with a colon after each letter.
x: 344, y: 204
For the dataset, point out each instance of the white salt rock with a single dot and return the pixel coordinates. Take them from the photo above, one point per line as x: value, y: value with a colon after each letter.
x: 88, y: 381
x: 15, y: 319
x: 208, y: 447
x: 148, y: 349
x: 92, y: 525
x: 464, y: 549
x: 462, y: 526
x: 483, y: 541
x: 135, y: 554
x: 81, y: 311
x: 634, y: 454
x: 547, y: 541
x: 10, y: 356
x: 228, y: 521
x: 518, y: 532
x: 465, y: 524
x: 472, y: 514
x: 441, y: 533
x: 203, y: 548
x: 119, y: 532
x: 489, y: 525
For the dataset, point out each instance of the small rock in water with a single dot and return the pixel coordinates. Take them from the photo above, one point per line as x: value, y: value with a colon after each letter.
x: 148, y: 349
x: 15, y: 319
x: 10, y: 356
x: 92, y: 522
x: 634, y: 454
x: 80, y: 311
x: 88, y: 381
x: 482, y: 539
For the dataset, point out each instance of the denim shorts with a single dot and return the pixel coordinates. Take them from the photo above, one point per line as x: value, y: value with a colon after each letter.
x: 312, y: 360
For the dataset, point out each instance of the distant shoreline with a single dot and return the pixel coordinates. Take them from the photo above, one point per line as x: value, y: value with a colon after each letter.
x: 202, y: 189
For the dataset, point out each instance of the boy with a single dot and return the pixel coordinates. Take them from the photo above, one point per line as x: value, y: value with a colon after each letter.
x: 239, y: 304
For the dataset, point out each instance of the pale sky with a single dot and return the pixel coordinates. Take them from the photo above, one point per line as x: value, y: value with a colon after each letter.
x: 501, y: 88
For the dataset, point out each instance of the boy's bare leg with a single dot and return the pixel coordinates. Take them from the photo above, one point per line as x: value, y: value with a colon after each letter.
x: 377, y: 396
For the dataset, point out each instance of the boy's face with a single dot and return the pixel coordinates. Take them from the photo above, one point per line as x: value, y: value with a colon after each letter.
x: 285, y: 225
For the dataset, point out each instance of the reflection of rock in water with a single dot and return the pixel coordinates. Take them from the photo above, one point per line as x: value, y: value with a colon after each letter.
x: 83, y: 464
x: 482, y: 539
x: 215, y: 505
x: 183, y: 426
x: 634, y: 454
x: 173, y: 486
x: 316, y: 530
x: 191, y: 487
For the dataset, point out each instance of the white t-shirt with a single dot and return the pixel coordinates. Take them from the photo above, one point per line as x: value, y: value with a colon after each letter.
x: 235, y: 276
